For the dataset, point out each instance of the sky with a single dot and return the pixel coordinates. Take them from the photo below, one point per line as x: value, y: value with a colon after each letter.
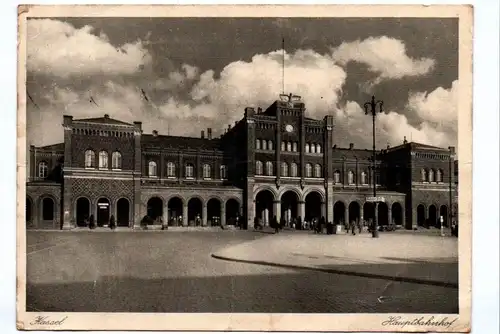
x: 182, y: 75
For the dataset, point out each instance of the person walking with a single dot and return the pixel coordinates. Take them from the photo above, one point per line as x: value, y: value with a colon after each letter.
x: 274, y: 224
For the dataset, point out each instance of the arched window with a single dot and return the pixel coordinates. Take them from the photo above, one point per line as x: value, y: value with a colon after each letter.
x: 89, y: 159
x: 363, y: 178
x: 350, y: 177
x: 43, y: 170
x: 258, y: 167
x: 318, y: 148
x: 313, y: 148
x: 283, y: 146
x: 103, y: 159
x: 264, y: 145
x: 269, y: 145
x: 294, y: 148
x: 336, y: 176
x: 223, y: 172
x: 284, y: 169
x: 431, y: 175
x: 152, y: 170
x: 116, y: 160
x: 289, y: 146
x: 423, y: 174
x: 439, y: 175
x: 170, y: 169
x: 317, y: 170
x: 307, y: 148
x: 293, y: 169
x: 207, y: 171
x: 189, y: 172
x: 257, y: 144
x: 308, y: 170
x: 269, y: 168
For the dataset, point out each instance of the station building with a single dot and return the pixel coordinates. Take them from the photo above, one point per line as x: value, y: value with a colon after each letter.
x: 273, y: 162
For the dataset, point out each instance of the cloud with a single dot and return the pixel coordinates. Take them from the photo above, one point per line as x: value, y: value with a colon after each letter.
x: 386, y: 57
x: 59, y: 49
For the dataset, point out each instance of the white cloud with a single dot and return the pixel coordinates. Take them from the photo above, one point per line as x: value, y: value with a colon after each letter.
x: 57, y: 48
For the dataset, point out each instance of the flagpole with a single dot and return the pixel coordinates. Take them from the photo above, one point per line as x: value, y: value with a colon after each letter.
x: 283, y: 65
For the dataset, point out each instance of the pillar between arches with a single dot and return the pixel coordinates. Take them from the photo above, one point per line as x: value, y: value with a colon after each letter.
x: 184, y: 214
x: 277, y: 210
x: 302, y: 209
x: 223, y: 213
x: 323, y: 210
x: 204, y: 218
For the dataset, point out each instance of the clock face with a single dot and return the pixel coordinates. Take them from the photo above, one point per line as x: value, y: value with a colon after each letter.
x: 289, y: 128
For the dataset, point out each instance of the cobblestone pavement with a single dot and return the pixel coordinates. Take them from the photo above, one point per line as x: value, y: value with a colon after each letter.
x: 174, y: 272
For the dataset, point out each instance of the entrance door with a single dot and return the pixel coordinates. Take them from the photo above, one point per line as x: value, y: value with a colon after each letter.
x: 103, y: 210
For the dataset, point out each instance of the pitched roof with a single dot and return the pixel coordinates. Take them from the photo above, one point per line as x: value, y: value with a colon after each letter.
x: 103, y: 120
x: 53, y: 147
x: 417, y: 146
x: 180, y: 143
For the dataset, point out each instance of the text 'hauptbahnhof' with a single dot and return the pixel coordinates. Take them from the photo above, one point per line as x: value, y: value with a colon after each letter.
x: 272, y: 163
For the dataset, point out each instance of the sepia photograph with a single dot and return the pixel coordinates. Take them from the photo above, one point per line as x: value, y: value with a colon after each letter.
x: 245, y: 168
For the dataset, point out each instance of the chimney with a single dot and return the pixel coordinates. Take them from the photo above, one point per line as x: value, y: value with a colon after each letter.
x: 259, y: 110
x: 106, y: 116
x: 155, y: 133
x: 404, y: 140
x: 452, y: 149
x: 228, y: 127
x: 351, y: 146
x: 138, y: 125
x: 209, y: 133
x: 202, y: 134
x: 388, y: 146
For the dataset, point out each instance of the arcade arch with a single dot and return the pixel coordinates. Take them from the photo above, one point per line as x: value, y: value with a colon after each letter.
x: 195, y: 207
x: 339, y: 217
x: 264, y: 206
x: 82, y: 211
x: 155, y: 208
x: 312, y: 206
x: 103, y: 211
x: 397, y: 213
x: 213, y: 212
x: 289, y: 205
x: 175, y: 207
x: 354, y: 212
x: 122, y: 212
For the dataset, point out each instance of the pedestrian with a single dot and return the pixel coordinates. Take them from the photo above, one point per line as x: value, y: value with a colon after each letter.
x: 274, y: 224
x: 112, y: 224
x: 353, y: 225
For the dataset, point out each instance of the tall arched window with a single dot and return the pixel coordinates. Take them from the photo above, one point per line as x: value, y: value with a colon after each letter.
x: 431, y: 175
x: 189, y: 172
x: 308, y: 170
x: 439, y: 175
x: 116, y: 160
x: 207, y: 171
x: 313, y: 148
x: 307, y: 148
x: 43, y: 170
x: 318, y: 148
x: 103, y: 159
x: 269, y: 168
x: 269, y: 145
x: 258, y: 167
x: 336, y: 176
x: 289, y: 146
x: 317, y: 170
x: 264, y: 145
x: 257, y: 144
x: 293, y: 169
x: 223, y: 172
x: 284, y: 169
x: 152, y: 169
x: 294, y: 147
x: 350, y: 177
x: 363, y: 178
x: 89, y: 159
x: 283, y: 146
x: 423, y: 175
x: 170, y: 169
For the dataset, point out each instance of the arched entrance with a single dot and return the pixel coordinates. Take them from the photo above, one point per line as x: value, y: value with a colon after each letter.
x: 443, y: 212
x: 383, y: 214
x: 82, y: 211
x: 103, y: 211
x: 339, y: 213
x: 122, y: 212
x: 397, y: 213
x: 29, y: 211
x: 432, y: 215
x: 213, y: 212
x: 264, y: 206
x: 175, y: 205
x: 354, y: 212
x: 289, y: 206
x: 48, y: 209
x: 232, y: 210
x: 420, y: 215
x: 195, y: 207
x: 155, y: 208
x: 368, y: 212
x: 312, y: 206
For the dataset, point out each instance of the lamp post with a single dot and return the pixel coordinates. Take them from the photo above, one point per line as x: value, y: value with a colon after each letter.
x: 371, y: 108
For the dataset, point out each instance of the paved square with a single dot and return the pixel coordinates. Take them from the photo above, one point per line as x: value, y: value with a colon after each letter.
x: 175, y: 272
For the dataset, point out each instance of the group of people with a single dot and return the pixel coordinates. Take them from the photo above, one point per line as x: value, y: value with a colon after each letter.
x: 91, y: 224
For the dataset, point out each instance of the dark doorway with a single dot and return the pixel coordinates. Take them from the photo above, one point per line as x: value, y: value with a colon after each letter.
x: 48, y: 209
x: 383, y: 214
x: 29, y: 210
x: 155, y: 208
x: 122, y: 212
x: 339, y: 213
x: 232, y: 210
x: 195, y: 207
x: 312, y: 206
x: 289, y: 206
x: 432, y: 215
x: 82, y: 211
x: 354, y: 212
x: 368, y: 212
x: 103, y: 211
x: 264, y: 207
x: 175, y: 206
x: 420, y: 215
x: 397, y: 213
x: 213, y: 212
x: 443, y: 212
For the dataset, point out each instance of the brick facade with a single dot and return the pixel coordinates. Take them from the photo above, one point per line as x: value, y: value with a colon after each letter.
x: 209, y: 180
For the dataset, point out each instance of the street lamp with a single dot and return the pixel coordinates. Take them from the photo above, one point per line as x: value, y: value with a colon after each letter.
x: 371, y: 108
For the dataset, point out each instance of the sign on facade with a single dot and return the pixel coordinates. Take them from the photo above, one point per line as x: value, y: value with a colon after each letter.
x: 375, y: 199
